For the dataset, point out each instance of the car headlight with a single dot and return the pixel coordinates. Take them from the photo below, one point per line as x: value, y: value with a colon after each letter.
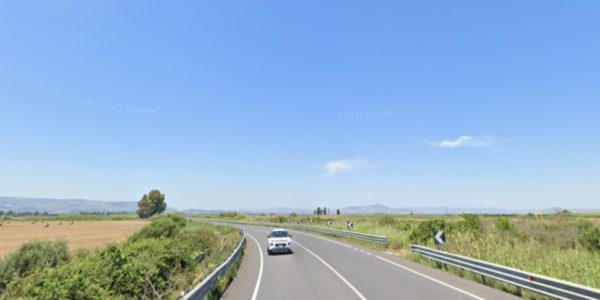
x: 288, y: 243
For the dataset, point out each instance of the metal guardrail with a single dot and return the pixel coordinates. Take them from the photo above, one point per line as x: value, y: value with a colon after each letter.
x: 349, y: 234
x: 342, y: 233
x: 200, y: 290
x: 537, y: 283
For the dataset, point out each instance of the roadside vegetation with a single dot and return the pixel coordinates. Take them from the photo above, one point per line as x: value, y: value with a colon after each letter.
x: 163, y: 259
x: 564, y: 246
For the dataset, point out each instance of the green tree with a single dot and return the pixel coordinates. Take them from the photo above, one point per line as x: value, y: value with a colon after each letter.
x: 151, y: 204
x: 337, y: 212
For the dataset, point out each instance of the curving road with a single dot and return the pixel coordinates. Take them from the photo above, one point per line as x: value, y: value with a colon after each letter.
x: 322, y: 268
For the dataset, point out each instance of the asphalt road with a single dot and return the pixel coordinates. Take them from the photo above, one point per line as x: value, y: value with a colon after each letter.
x: 322, y: 268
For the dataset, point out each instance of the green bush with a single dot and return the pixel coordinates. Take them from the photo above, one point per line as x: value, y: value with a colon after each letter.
x: 30, y: 258
x: 228, y: 214
x: 426, y: 230
x: 404, y: 226
x: 503, y: 224
x: 386, y: 220
x: 471, y: 223
x: 76, y: 280
x: 161, y: 227
x: 589, y: 237
x: 163, y: 260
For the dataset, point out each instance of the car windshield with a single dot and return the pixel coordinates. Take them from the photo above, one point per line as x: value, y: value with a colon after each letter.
x: 279, y: 234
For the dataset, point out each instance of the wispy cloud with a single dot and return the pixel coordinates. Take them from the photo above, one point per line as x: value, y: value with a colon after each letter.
x: 346, y: 165
x: 468, y: 141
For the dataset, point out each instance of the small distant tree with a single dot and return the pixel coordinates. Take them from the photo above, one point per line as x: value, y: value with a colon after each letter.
x: 337, y: 212
x: 151, y: 204
x: 324, y: 210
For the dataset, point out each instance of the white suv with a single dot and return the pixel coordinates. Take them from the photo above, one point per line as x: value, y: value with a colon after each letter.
x: 279, y: 241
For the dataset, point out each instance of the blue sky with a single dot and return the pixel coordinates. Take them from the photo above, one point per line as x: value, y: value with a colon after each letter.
x: 236, y: 104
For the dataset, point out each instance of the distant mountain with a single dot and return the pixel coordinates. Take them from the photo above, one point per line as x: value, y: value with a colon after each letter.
x: 436, y: 210
x: 376, y: 209
x: 275, y: 210
x: 64, y: 206
x: 585, y: 210
x: 201, y: 212
x: 249, y: 211
x: 381, y: 209
x: 372, y: 209
x: 460, y: 210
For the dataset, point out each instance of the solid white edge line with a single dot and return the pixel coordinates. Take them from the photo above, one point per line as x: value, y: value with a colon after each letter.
x: 360, y: 296
x: 429, y: 277
x: 260, y: 270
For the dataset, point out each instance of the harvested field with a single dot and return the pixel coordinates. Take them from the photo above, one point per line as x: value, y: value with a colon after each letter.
x: 80, y: 234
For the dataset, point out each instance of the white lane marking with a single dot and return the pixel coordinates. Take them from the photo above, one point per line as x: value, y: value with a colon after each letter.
x: 260, y: 270
x: 428, y: 277
x: 360, y: 296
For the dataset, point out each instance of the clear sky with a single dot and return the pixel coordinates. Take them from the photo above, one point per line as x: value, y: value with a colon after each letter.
x: 241, y: 104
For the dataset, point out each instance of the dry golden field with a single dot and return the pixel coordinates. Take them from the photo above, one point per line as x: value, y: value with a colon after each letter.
x: 79, y: 234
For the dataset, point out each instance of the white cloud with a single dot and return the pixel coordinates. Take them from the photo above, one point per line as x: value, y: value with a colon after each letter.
x: 345, y: 165
x: 468, y: 141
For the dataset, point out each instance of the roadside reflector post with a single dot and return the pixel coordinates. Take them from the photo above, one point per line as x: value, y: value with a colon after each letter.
x: 440, y: 239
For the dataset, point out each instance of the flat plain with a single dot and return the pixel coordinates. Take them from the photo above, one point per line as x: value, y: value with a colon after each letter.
x: 79, y: 234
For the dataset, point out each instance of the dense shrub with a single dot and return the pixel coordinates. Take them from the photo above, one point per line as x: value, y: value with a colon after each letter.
x: 228, y: 214
x: 31, y: 257
x: 426, y: 230
x: 387, y: 220
x: 589, y: 236
x: 471, y: 223
x: 503, y: 224
x: 163, y: 227
x: 76, y: 280
x: 403, y: 226
x: 166, y: 257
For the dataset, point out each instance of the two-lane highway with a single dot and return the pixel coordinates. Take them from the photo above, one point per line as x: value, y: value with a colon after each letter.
x: 322, y: 268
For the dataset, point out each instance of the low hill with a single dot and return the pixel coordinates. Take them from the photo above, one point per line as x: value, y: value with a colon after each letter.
x: 64, y: 206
